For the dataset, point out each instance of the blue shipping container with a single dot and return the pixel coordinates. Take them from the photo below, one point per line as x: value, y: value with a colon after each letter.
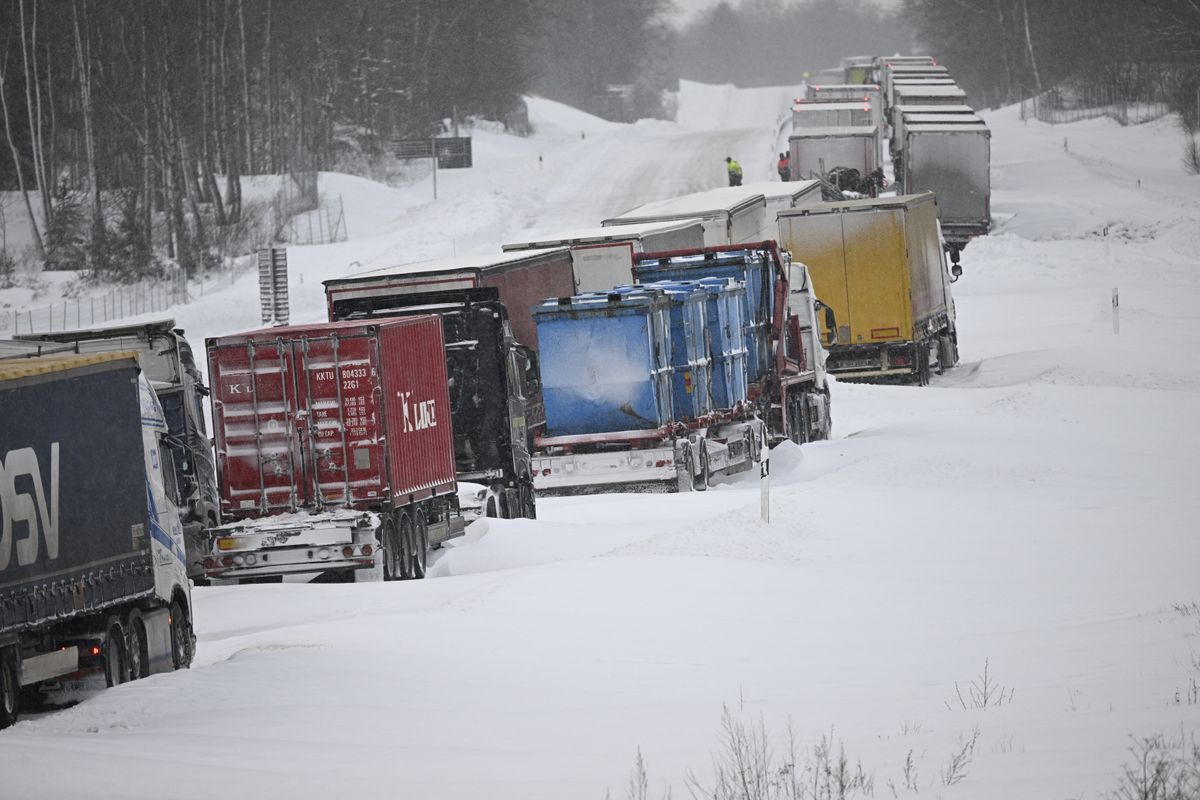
x: 606, y: 362
x: 691, y: 354
x: 745, y: 266
x: 725, y: 300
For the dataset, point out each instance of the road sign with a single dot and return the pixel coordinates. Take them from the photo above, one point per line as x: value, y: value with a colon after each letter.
x: 452, y: 152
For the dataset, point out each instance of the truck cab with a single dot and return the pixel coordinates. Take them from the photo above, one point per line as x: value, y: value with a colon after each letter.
x: 494, y: 391
x: 167, y: 362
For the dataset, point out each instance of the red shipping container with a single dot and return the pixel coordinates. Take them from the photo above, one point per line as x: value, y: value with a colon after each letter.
x: 338, y: 414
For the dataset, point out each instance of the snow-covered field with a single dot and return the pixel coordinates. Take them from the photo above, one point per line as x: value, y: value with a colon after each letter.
x: 1034, y: 510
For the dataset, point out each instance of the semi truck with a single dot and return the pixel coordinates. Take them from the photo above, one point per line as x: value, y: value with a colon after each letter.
x: 602, y: 257
x: 633, y: 403
x: 335, y: 450
x: 495, y: 394
x: 880, y: 264
x: 730, y: 215
x: 950, y: 155
x: 168, y: 363
x: 834, y: 114
x: 92, y: 563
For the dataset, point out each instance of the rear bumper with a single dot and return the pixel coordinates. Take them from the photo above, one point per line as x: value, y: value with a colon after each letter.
x: 270, y: 546
x: 608, y: 469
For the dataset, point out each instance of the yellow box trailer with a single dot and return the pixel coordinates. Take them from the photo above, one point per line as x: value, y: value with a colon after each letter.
x: 880, y: 265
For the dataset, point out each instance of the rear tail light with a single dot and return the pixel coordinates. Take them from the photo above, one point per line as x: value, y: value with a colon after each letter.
x: 347, y: 551
x: 227, y: 561
x: 208, y: 563
x: 367, y: 549
x: 546, y: 471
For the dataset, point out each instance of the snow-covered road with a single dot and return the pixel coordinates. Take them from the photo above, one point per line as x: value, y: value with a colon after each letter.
x: 1034, y: 510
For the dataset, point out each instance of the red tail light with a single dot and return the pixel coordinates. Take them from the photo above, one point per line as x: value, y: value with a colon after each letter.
x: 227, y: 561
x: 367, y: 550
x: 347, y: 551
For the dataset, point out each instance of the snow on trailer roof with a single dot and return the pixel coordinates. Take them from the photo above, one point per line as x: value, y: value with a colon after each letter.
x: 927, y: 90
x: 925, y: 108
x: 452, y: 264
x: 825, y: 132
x: 780, y: 190
x: 948, y: 119
x: 727, y: 199
x: 832, y: 105
x: 838, y: 206
x: 937, y: 127
x: 29, y: 367
x: 918, y: 69
x: 602, y: 234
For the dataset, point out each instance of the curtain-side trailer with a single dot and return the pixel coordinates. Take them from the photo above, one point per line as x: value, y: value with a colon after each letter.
x: 93, y: 578
x: 951, y: 157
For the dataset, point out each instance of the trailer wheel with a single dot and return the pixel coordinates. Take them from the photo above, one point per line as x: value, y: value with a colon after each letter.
x: 392, y: 553
x: 420, y: 543
x: 181, y: 636
x: 528, y: 502
x: 116, y: 658
x: 407, y: 548
x: 700, y: 483
x: 10, y: 690
x: 137, y: 646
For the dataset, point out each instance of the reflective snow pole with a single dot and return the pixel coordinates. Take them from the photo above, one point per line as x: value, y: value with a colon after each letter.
x: 1116, y: 312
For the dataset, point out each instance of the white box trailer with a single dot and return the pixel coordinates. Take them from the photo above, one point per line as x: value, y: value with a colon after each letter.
x: 730, y: 215
x: 603, y: 256
x: 924, y: 94
x: 816, y: 151
x: 899, y: 112
x: 834, y: 114
x: 782, y: 195
x: 954, y: 162
x: 900, y: 72
x: 870, y: 93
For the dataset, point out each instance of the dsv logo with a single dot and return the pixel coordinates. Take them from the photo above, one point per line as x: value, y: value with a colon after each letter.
x: 18, y: 506
x: 418, y: 415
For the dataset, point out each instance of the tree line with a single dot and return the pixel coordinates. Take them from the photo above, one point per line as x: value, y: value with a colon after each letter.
x: 130, y: 123
x: 1001, y: 51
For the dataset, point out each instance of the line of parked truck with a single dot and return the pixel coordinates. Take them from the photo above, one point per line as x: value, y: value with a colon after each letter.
x: 669, y: 345
x: 907, y: 110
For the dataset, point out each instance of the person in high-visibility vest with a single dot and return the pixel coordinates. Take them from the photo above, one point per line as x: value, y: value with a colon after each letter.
x: 735, y: 171
x: 783, y: 167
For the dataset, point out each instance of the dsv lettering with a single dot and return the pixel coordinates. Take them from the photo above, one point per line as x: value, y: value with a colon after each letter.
x: 418, y: 415
x: 17, y: 507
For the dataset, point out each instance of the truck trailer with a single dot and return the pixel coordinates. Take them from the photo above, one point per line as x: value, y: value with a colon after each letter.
x: 603, y: 257
x: 522, y: 278
x: 951, y: 157
x: 880, y: 264
x: 93, y: 578
x: 730, y: 215
x: 633, y: 403
x: 819, y: 151
x: 895, y: 141
x: 167, y: 361
x: 495, y: 394
x: 335, y: 450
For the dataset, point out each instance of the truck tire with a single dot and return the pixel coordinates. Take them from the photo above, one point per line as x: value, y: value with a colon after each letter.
x: 116, y: 657
x: 10, y: 690
x: 407, y: 547
x: 701, y: 480
x: 137, y: 646
x: 182, y: 649
x: 392, y: 552
x: 528, y: 502
x: 420, y: 543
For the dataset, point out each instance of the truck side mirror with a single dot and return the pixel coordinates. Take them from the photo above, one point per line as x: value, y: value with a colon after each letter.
x: 831, y: 324
x: 956, y: 270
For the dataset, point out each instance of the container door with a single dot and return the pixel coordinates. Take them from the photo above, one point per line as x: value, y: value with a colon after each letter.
x: 876, y: 265
x: 659, y: 322
x: 255, y: 417
x: 340, y: 443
